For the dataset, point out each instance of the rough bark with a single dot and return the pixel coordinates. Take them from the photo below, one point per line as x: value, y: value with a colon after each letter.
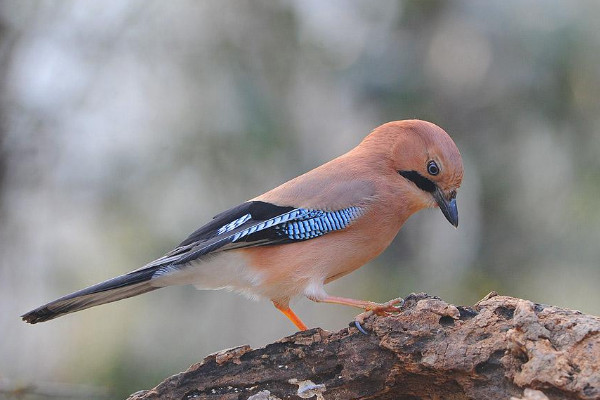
x: 501, y: 348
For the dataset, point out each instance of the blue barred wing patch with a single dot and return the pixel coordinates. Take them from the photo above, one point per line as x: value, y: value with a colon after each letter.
x: 315, y: 223
x: 302, y: 224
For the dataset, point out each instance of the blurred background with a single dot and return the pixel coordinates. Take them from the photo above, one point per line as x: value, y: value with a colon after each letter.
x: 125, y: 125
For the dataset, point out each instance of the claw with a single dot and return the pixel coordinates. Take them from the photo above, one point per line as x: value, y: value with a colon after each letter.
x: 360, y: 328
x: 360, y: 319
x: 399, y: 304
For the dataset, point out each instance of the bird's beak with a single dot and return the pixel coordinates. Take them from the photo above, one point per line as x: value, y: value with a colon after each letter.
x: 448, y: 207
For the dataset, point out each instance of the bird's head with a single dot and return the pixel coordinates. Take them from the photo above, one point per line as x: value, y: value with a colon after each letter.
x: 426, y: 164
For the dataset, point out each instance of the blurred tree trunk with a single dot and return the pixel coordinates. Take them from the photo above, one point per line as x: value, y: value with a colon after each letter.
x: 501, y: 348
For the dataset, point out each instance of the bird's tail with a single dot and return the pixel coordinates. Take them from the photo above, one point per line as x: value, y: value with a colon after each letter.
x: 121, y: 287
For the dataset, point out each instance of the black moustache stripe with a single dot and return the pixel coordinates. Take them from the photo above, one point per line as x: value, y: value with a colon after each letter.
x: 419, y: 180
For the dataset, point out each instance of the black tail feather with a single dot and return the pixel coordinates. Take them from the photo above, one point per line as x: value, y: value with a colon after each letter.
x: 121, y: 287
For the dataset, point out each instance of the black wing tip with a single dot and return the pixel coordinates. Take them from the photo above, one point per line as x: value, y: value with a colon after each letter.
x: 41, y: 314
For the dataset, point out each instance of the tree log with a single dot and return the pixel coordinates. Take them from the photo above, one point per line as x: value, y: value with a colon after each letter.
x: 501, y: 348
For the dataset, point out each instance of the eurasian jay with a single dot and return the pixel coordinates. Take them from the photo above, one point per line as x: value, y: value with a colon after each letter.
x: 309, y: 231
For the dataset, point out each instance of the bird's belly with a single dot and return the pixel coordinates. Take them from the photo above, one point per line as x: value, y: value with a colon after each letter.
x: 225, y: 270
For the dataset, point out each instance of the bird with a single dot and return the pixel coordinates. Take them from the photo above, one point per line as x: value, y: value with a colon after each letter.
x: 294, y: 239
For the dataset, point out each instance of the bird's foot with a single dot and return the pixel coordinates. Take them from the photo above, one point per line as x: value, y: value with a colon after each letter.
x: 392, y: 306
x: 381, y: 309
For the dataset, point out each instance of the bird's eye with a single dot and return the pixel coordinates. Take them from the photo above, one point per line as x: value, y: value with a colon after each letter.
x: 433, y: 168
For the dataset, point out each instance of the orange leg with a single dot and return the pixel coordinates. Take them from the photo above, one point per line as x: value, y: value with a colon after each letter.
x: 377, y: 308
x: 369, y: 307
x: 287, y: 311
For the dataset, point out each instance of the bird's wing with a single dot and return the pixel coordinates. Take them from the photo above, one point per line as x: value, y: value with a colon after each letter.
x: 256, y: 223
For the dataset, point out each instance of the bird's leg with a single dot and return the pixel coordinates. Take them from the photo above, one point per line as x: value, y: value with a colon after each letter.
x: 374, y: 308
x: 369, y: 307
x: 287, y: 311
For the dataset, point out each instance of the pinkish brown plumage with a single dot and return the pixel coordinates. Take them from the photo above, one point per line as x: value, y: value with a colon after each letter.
x: 309, y: 231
